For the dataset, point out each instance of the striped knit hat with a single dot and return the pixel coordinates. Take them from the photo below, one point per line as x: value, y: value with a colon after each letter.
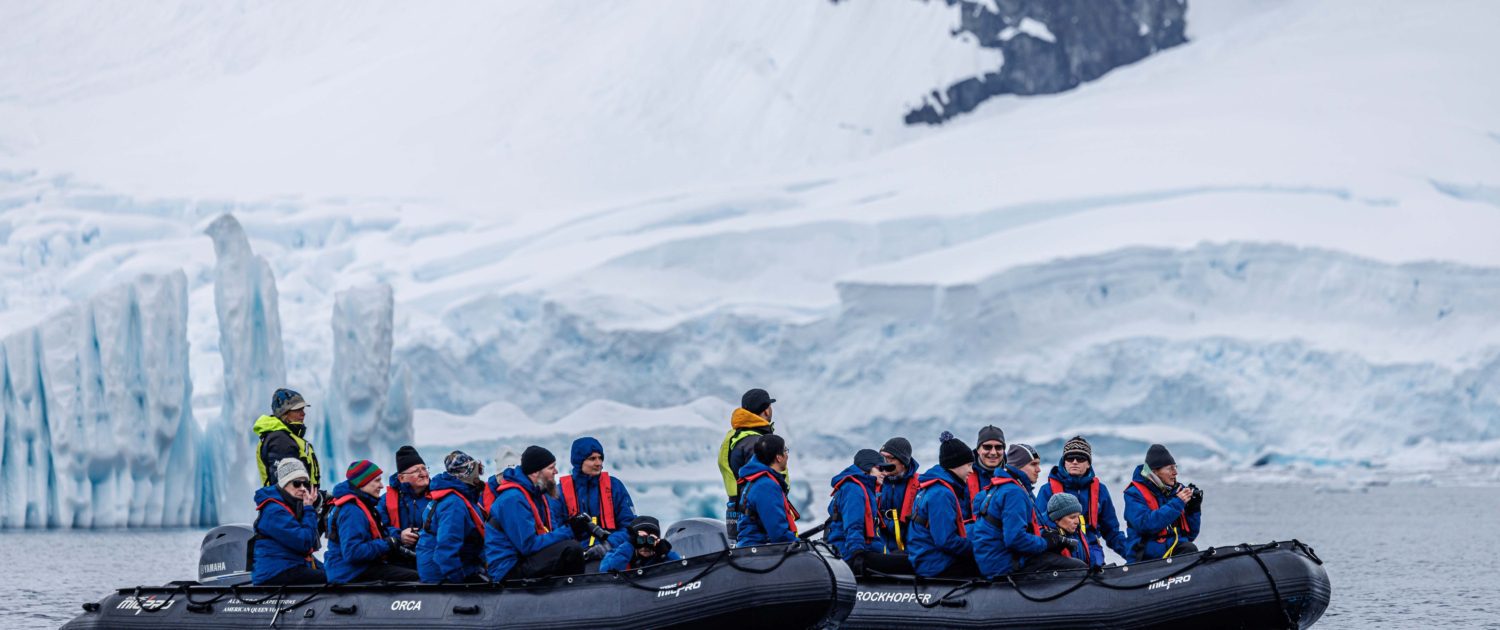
x: 1078, y: 446
x: 361, y: 472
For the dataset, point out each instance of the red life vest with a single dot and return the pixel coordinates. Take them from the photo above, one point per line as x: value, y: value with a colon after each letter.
x: 310, y: 559
x: 393, y: 507
x: 439, y: 495
x: 488, y: 498
x: 1154, y: 505
x: 1036, y: 528
x: 369, y: 518
x: 1057, y: 488
x: 606, y: 499
x: 909, y: 498
x: 791, y: 512
x: 957, y: 504
x: 869, y: 507
x: 542, y: 525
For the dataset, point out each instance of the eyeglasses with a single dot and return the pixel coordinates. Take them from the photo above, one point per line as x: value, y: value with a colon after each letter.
x: 991, y: 447
x: 301, y: 483
x: 415, y: 472
x: 1076, y: 458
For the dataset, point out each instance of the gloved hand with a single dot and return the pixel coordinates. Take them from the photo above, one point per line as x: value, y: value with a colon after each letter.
x: 1195, y: 504
x: 395, y: 544
x: 1056, y: 541
x: 856, y: 562
x: 595, y: 552
x: 662, y: 547
x: 580, y: 523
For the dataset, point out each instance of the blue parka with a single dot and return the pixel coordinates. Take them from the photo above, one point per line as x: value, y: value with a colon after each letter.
x: 619, y: 558
x: 983, y: 476
x: 892, y: 496
x: 409, y: 507
x: 1108, y: 527
x: 517, y: 536
x: 847, y: 508
x: 1004, y: 549
x: 351, y: 547
x: 586, y: 489
x: 763, y: 508
x: 450, y: 548
x: 1151, y: 533
x: 937, y: 544
x: 286, y: 539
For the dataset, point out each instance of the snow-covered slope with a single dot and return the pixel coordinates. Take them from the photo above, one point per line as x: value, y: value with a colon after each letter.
x: 1275, y: 240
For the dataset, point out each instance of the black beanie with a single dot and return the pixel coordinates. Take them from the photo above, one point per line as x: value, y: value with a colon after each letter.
x: 755, y: 401
x: 648, y: 523
x: 898, y: 448
x: 768, y: 447
x: 953, y: 452
x: 406, y: 457
x: 535, y: 458
x: 991, y: 432
x: 866, y: 459
x: 1158, y: 457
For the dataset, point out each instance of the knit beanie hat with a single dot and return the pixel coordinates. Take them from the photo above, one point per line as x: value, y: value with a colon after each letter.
x: 953, y: 453
x: 866, y: 459
x: 991, y: 432
x: 645, y: 523
x: 406, y: 457
x: 361, y: 472
x: 1080, y: 446
x: 1020, y: 455
x: 289, y: 470
x: 535, y: 458
x: 899, y: 448
x: 1157, y: 457
x: 1063, y: 504
x: 464, y: 468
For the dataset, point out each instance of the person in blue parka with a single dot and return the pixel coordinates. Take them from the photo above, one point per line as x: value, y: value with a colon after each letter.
x: 451, y: 546
x: 1007, y: 536
x: 853, y: 523
x: 1075, y: 475
x: 643, y: 546
x: 1162, y: 517
x: 360, y: 543
x: 766, y: 515
x: 286, y: 530
x: 939, y: 544
x: 525, y: 537
x: 582, y: 492
x: 989, y: 462
x: 404, y: 502
x: 898, y: 493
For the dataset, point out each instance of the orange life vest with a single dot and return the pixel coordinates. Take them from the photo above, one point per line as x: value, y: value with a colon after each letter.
x: 313, y: 562
x: 1153, y: 504
x: 869, y: 507
x: 606, y: 499
x: 791, y: 512
x: 369, y: 517
x: 957, y: 504
x: 1057, y: 488
x: 439, y: 495
x: 542, y: 525
x: 995, y: 483
x: 910, y: 498
x: 393, y: 507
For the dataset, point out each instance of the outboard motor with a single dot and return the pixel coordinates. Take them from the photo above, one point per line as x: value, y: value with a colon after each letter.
x: 224, y: 558
x: 697, y: 536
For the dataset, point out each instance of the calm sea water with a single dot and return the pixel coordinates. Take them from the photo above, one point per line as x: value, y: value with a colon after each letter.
x: 1398, y: 556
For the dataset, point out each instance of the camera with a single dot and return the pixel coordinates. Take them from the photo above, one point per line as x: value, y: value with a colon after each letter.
x: 599, y: 533
x: 1197, y: 493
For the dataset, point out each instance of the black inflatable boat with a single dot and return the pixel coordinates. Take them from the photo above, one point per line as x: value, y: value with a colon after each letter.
x: 1276, y: 585
x: 799, y: 585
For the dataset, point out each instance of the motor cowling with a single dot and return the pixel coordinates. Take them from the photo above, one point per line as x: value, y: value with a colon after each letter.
x: 697, y: 537
x: 224, y: 557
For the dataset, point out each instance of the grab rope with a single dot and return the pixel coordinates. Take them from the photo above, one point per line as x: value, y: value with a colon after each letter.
x: 1280, y: 605
x: 726, y: 555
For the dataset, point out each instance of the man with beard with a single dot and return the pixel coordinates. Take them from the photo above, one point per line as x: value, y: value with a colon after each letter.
x: 524, y: 536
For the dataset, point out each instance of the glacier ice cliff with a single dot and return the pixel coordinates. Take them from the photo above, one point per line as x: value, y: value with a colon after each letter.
x: 368, y: 413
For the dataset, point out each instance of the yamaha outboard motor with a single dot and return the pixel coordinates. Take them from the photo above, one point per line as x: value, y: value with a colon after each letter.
x: 697, y: 537
x: 224, y: 558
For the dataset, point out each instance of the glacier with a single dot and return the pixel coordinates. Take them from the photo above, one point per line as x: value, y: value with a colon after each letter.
x: 368, y: 413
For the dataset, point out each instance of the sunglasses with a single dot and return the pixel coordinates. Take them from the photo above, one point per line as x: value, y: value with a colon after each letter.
x: 991, y: 447
x: 1075, y: 458
x: 301, y: 484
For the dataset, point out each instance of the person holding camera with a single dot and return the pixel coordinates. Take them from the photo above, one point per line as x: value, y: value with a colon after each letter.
x: 404, y: 502
x: 360, y: 544
x: 1007, y: 536
x: 590, y: 490
x: 1162, y: 517
x: 643, y: 546
x: 286, y: 529
x: 1074, y: 475
x: 525, y: 537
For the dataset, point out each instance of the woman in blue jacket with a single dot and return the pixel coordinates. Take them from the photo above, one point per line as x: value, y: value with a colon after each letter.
x: 939, y: 544
x: 451, y: 546
x: 1162, y: 517
x: 286, y: 530
x: 643, y: 546
x: 1075, y: 475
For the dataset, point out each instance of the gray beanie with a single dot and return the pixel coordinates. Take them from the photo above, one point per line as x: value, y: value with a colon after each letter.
x: 899, y: 448
x: 991, y: 432
x: 1063, y: 504
x: 1020, y: 455
x: 289, y: 470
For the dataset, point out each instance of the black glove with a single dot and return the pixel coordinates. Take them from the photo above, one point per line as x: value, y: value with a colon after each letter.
x: 1056, y: 541
x: 1195, y: 503
x: 856, y: 562
x: 580, y: 523
x: 662, y: 547
x: 395, y: 544
x: 595, y: 552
